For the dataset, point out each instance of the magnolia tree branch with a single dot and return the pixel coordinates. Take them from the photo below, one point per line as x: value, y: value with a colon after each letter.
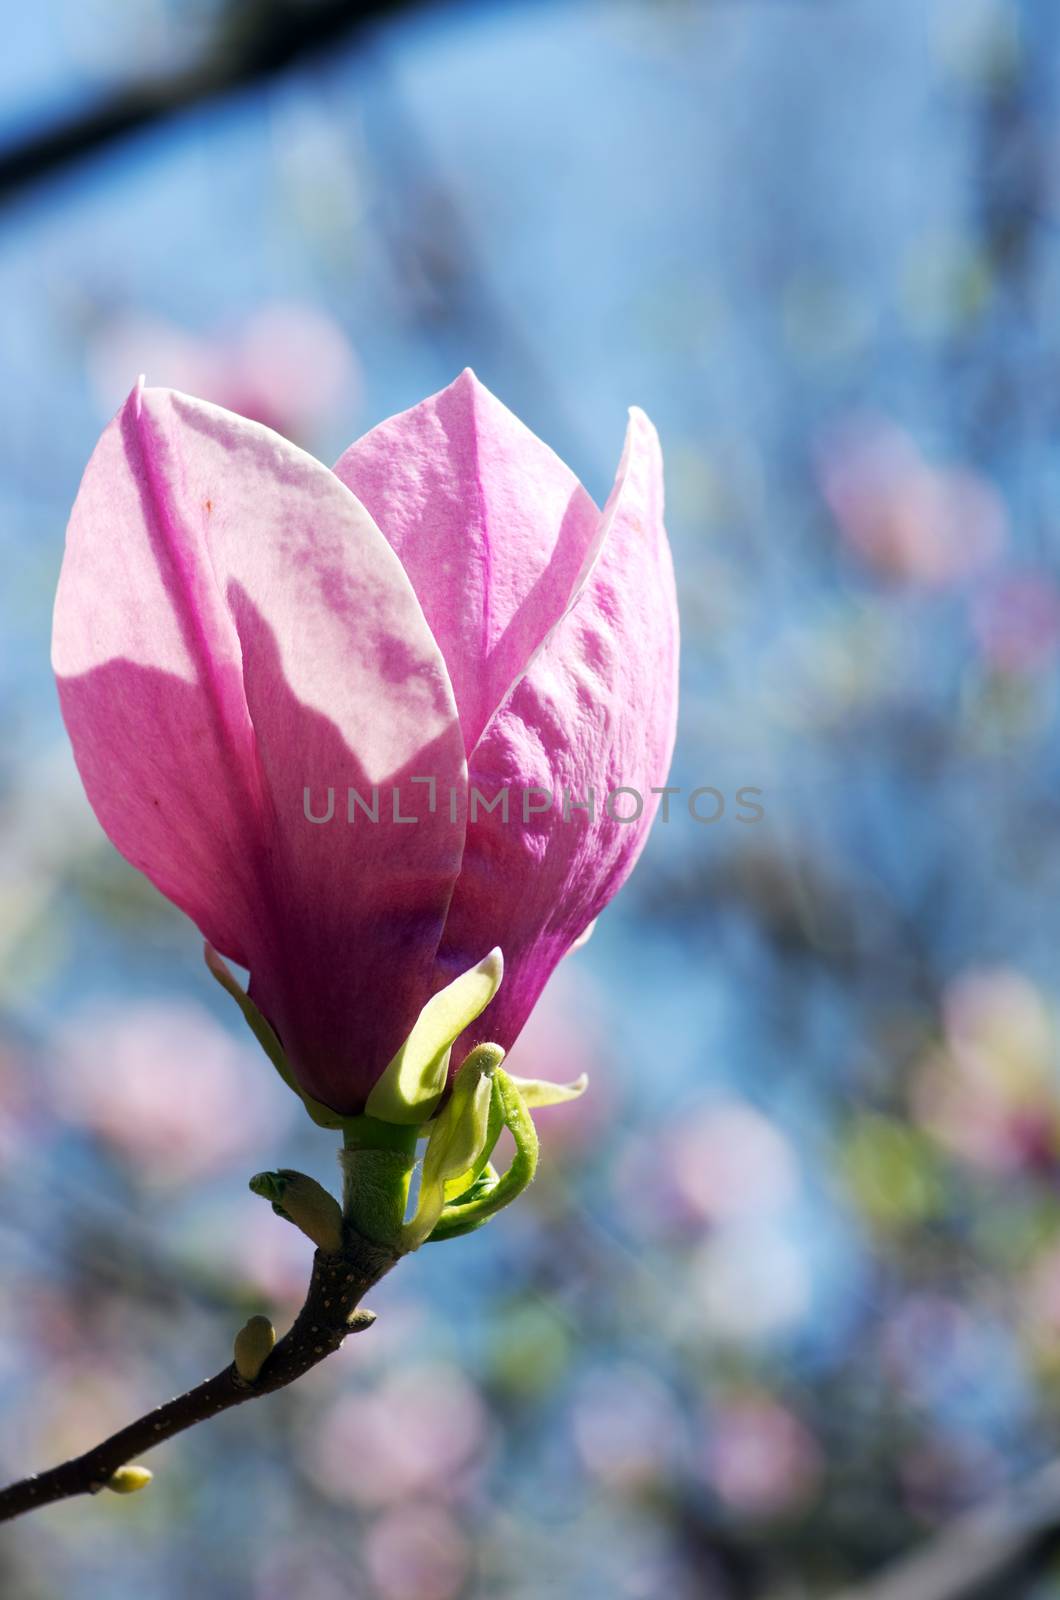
x: 257, y: 40
x: 338, y: 1282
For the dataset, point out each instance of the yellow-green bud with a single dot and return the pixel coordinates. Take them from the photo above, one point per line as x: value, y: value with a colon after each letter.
x: 253, y: 1346
x: 129, y: 1480
x: 305, y: 1202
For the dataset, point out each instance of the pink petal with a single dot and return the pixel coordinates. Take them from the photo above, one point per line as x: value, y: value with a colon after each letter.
x: 491, y: 527
x: 230, y: 628
x: 597, y: 709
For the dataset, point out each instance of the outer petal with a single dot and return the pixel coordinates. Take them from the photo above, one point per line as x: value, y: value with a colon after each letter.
x: 230, y: 628
x: 491, y: 527
x: 596, y: 710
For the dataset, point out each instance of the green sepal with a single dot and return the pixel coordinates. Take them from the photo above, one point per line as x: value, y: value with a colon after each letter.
x: 467, y: 1212
x: 457, y: 1139
x: 453, y: 1222
x: 409, y: 1090
x: 538, y: 1092
x: 461, y: 1186
x: 454, y: 1228
x: 485, y: 1181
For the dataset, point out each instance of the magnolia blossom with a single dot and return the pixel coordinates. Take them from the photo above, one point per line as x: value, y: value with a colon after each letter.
x: 237, y: 624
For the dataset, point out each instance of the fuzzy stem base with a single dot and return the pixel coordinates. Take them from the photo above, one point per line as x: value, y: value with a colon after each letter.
x: 378, y: 1160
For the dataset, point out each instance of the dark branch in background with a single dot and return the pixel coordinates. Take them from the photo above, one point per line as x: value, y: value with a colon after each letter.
x: 992, y: 1553
x: 338, y: 1282
x: 258, y: 40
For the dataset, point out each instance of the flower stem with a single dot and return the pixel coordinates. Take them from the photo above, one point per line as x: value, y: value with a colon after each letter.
x: 378, y: 1159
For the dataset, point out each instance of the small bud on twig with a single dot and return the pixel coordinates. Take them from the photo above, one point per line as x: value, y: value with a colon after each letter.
x: 129, y: 1480
x: 253, y: 1346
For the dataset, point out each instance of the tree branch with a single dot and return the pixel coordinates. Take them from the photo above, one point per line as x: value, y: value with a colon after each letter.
x: 258, y: 41
x: 984, y: 1553
x: 336, y: 1287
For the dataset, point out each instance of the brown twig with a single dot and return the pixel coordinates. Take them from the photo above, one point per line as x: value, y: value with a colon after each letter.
x: 338, y: 1282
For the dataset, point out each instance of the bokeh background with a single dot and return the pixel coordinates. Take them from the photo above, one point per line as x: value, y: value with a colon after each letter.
x: 785, y: 1301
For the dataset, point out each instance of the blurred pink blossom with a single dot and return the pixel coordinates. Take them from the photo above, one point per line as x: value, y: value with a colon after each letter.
x: 1041, y: 1302
x: 997, y: 1011
x: 760, y: 1458
x: 287, y: 365
x: 421, y: 1427
x: 988, y: 1092
x: 301, y: 1566
x: 713, y: 1165
x: 911, y: 521
x: 239, y: 1240
x: 730, y: 1161
x: 628, y: 1427
x: 57, y: 1411
x: 1037, y: 1306
x: 1016, y: 621
x: 16, y: 1111
x: 166, y: 1087
x: 417, y: 1552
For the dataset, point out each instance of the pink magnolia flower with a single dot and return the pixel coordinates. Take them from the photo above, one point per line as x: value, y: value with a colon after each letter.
x: 237, y: 625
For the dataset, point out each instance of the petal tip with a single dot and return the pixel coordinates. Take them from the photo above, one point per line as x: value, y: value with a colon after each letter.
x: 640, y: 423
x: 468, y: 386
x: 492, y: 966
